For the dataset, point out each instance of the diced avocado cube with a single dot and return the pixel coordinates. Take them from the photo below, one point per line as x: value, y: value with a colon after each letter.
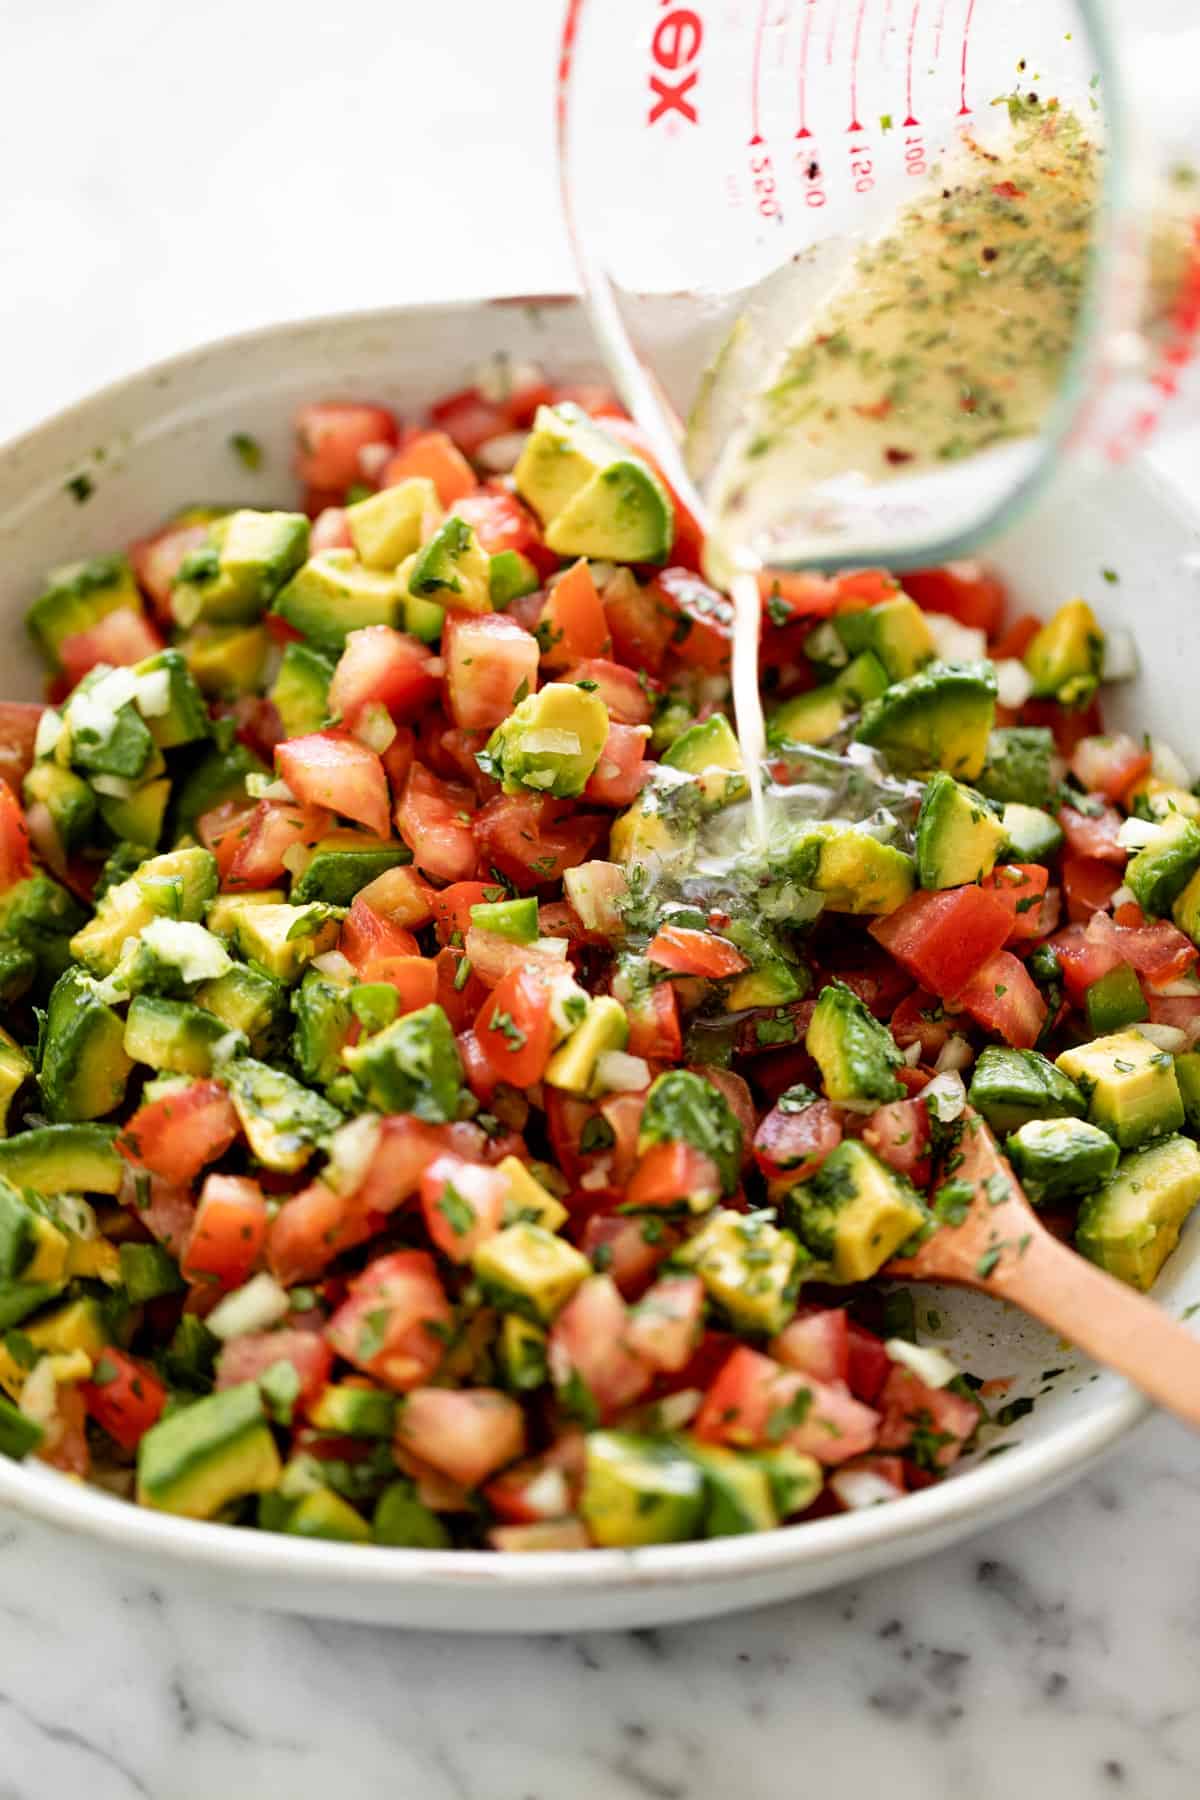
x: 178, y: 885
x: 19, y: 1434
x: 67, y: 798
x: 333, y: 595
x: 516, y: 920
x: 225, y: 911
x: 1187, y: 1074
x: 388, y: 526
x: 1130, y: 1086
x: 710, y: 753
x: 550, y: 742
x: 353, y: 1411
x: 31, y: 1247
x: 937, y: 719
x: 324, y: 1020
x: 528, y: 1199
x: 1186, y: 910
x: 852, y: 870
x: 749, y: 1268
x: 896, y: 631
x: 301, y: 690
x: 863, y: 679
x: 1018, y: 765
x: 1131, y: 1225
x: 1011, y: 1087
x: 524, y: 1364
x: 38, y: 916
x: 219, y: 775
x: 283, y: 1120
x: 207, y: 1454
x: 796, y: 1479
x: 1160, y: 872
x: 235, y: 576
x: 249, y: 1001
x: 959, y: 836
x: 169, y: 957
x: 139, y: 816
x: 854, y: 1213
x: 813, y: 718
x: 1056, y: 1158
x: 510, y: 575
x: 527, y: 1269
x: 148, y: 1271
x: 604, y: 1027
x: 324, y: 1514
x: 423, y: 619
x: 640, y: 1490
x: 77, y: 596
x: 857, y: 1056
x: 226, y: 661
x: 404, y: 1522
x: 656, y: 825
x: 1030, y: 835
x: 1066, y: 656
x: 593, y: 497
x: 172, y: 1036
x: 283, y: 939
x: 84, y: 1066
x: 561, y: 454
x: 1115, y: 1000
x: 737, y: 1492
x: 344, y: 862
x: 63, y: 1159
x: 18, y: 969
x: 771, y: 982
x: 105, y: 732
x: 169, y: 700
x: 15, y: 1070
x: 682, y: 1107
x: 453, y: 569
x: 411, y: 1066
x: 75, y: 1325
x: 20, y: 1298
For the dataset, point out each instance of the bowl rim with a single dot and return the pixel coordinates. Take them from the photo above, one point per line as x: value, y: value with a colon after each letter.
x: 985, y: 1490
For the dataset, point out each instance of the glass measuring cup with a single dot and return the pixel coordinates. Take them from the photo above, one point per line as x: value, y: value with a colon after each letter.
x: 729, y: 159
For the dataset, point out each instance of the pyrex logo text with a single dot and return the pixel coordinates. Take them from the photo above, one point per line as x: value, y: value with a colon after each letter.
x: 675, y: 48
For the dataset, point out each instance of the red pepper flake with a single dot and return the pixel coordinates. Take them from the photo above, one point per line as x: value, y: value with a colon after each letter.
x: 1008, y: 190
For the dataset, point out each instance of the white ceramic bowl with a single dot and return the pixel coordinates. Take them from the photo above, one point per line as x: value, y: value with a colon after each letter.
x: 161, y: 439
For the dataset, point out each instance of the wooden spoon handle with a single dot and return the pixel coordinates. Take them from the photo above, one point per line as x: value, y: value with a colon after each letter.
x: 1113, y: 1323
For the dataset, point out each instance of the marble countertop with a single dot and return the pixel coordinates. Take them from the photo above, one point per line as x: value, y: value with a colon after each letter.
x: 184, y: 172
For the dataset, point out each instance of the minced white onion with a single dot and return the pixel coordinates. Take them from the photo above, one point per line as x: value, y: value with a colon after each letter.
x: 39, y: 1394
x: 257, y: 1306
x: 933, y: 1367
x: 376, y: 728
x: 1168, y: 765
x: 912, y: 1054
x: 551, y: 946
x: 1123, y: 897
x: 152, y: 696
x: 547, y: 1494
x: 676, y: 1410
x: 351, y: 1149
x: 115, y: 786
x: 954, y: 642
x: 1165, y: 1037
x: 1014, y: 683
x: 335, y: 965
x: 956, y: 1053
x: 619, y: 1073
x: 296, y: 859
x: 76, y: 1215
x: 945, y: 1095
x: 373, y: 458
x: 858, y: 1488
x: 1136, y: 834
x: 1180, y: 990
x: 593, y: 1179
x: 50, y: 728
x: 500, y: 454
x: 261, y: 786
x: 1120, y: 660
x: 825, y: 646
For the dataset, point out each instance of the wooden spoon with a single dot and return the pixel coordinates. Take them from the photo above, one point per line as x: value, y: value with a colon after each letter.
x: 1002, y: 1248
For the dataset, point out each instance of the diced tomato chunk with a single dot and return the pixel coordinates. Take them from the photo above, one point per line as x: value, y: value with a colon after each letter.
x: 1016, y: 639
x: 121, y: 637
x: 754, y: 1402
x: 966, y: 590
x: 19, y: 721
x: 703, y: 628
x: 816, y: 1343
x: 1003, y: 997
x: 1021, y: 886
x: 639, y: 621
x: 125, y: 1397
x: 1088, y: 885
x: 1109, y: 765
x: 689, y: 952
x: 176, y: 1136
x: 1093, y: 833
x: 434, y: 819
x: 573, y: 624
x: 452, y: 907
x: 463, y: 1205
x: 869, y: 1363
x: 620, y: 774
x: 249, y: 1358
x: 655, y: 1032
x: 466, y: 1434
x: 435, y: 456
x: 1159, y: 952
x: 400, y: 896
x: 502, y: 522
x: 395, y: 1321
x: 534, y: 841
x: 514, y: 1029
x: 224, y: 829
x: 794, y: 1141
x: 1084, y: 958
x: 629, y: 700
x: 229, y: 1232
x: 666, y: 1324
x: 922, y: 1019
x: 156, y: 561
x: 330, y: 768
x: 329, y: 437
x: 16, y: 862
x: 382, y: 667
x: 490, y: 666
x: 673, y: 1175
x: 944, y: 938
x: 276, y: 827
x: 589, y: 1348
x: 899, y: 1134
x: 330, y: 531
x: 933, y: 1419
x: 367, y: 937
x: 627, y: 1249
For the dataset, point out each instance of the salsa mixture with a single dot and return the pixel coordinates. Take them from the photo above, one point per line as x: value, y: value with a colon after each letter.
x: 432, y: 1114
